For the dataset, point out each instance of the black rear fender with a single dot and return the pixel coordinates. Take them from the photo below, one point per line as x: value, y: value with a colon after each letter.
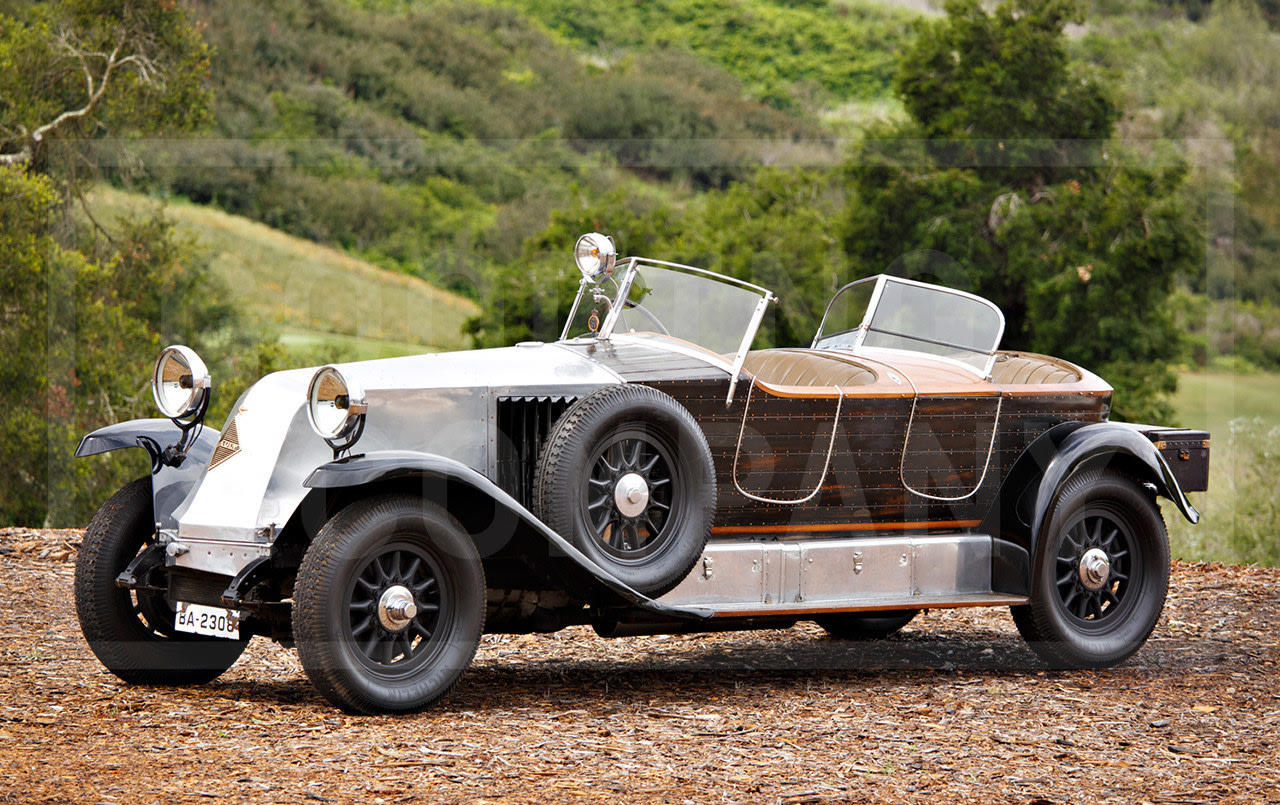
x: 1030, y: 490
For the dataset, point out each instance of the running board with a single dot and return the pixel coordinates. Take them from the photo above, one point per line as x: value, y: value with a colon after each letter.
x: 764, y: 578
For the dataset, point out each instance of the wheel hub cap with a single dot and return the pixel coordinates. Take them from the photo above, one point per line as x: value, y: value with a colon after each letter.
x: 396, y: 608
x: 1095, y: 568
x: 631, y: 495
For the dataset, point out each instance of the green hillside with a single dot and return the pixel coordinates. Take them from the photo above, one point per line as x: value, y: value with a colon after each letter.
x: 788, y: 54
x: 437, y: 138
x: 313, y: 295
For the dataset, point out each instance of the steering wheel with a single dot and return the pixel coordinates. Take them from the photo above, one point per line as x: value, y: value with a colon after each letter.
x: 631, y: 303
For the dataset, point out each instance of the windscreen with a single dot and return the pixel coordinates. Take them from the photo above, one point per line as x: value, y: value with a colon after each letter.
x: 692, y: 307
x: 840, y: 324
x: 921, y: 318
x: 935, y: 321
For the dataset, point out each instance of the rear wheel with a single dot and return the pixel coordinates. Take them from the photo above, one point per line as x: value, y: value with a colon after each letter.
x: 131, y: 632
x: 389, y: 605
x: 865, y: 625
x: 1101, y: 576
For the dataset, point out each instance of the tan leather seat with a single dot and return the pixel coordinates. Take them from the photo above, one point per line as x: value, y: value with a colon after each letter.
x: 796, y: 367
x: 1018, y: 368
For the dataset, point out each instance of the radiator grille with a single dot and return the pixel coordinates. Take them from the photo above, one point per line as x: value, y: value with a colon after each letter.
x: 197, y: 588
x: 523, y: 426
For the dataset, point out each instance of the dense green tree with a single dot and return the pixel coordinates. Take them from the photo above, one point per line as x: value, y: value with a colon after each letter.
x: 1006, y: 181
x: 84, y: 308
x: 63, y: 339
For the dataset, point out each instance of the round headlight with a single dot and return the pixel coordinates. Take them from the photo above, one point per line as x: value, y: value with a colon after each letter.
x: 180, y: 383
x: 595, y: 255
x: 334, y: 405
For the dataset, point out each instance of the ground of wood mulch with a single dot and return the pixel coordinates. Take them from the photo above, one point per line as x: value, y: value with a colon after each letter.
x: 953, y: 708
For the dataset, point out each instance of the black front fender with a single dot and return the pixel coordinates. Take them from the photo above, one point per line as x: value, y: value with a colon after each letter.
x: 170, y: 486
x: 588, y: 580
x: 151, y: 435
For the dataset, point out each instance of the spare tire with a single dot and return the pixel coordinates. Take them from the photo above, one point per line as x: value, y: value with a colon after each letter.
x: 627, y: 477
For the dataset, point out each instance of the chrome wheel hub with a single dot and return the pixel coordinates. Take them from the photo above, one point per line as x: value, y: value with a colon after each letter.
x: 1095, y: 568
x: 396, y: 608
x: 631, y: 495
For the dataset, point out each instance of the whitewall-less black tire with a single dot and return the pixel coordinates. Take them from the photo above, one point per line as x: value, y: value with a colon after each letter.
x: 1101, y: 573
x: 627, y: 477
x: 132, y: 633
x: 389, y: 605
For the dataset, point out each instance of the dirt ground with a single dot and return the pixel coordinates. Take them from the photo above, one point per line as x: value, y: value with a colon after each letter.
x: 953, y: 708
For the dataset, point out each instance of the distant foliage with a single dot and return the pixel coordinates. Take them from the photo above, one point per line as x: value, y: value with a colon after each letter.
x: 1197, y: 10
x: 1240, y: 336
x: 1005, y: 182
x: 776, y: 230
x: 1210, y: 88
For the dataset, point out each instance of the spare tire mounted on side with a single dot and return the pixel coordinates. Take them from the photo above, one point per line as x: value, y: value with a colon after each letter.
x: 627, y: 477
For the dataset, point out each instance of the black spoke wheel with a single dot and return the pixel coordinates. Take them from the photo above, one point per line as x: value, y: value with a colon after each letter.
x: 1094, y: 564
x: 865, y: 625
x: 629, y: 530
x: 394, y: 644
x: 627, y: 477
x: 389, y: 605
x: 1101, y: 576
x: 131, y: 632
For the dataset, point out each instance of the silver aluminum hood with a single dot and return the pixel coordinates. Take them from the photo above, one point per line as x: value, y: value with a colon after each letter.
x: 439, y: 403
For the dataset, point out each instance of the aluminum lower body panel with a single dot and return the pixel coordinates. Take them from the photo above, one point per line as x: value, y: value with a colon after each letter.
x: 225, y: 557
x: 772, y: 577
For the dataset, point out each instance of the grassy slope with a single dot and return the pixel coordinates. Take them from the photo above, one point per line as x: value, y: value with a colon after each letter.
x: 314, y: 296
x: 1210, y: 402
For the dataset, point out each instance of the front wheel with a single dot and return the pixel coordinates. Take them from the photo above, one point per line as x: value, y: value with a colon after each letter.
x: 1102, y: 574
x: 389, y: 605
x: 132, y: 632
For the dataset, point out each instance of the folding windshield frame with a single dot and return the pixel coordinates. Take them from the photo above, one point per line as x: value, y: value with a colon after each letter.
x: 629, y: 267
x: 862, y: 330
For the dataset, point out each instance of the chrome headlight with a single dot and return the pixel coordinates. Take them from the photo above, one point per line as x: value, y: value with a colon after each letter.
x: 335, y: 407
x: 180, y: 383
x: 595, y: 255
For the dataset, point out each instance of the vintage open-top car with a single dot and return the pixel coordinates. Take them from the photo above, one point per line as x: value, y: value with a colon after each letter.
x: 649, y: 472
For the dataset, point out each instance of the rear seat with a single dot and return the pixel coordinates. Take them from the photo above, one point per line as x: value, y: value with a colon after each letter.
x: 796, y: 367
x: 1026, y: 368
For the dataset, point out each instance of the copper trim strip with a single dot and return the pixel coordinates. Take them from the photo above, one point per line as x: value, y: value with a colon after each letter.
x: 824, y: 527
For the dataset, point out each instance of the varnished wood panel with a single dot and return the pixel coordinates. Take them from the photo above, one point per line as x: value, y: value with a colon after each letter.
x: 863, y: 490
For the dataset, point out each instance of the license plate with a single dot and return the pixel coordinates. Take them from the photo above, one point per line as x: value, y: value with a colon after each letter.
x: 211, y: 621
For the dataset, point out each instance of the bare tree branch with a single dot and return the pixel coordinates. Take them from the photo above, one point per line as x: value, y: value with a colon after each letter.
x: 95, y: 89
